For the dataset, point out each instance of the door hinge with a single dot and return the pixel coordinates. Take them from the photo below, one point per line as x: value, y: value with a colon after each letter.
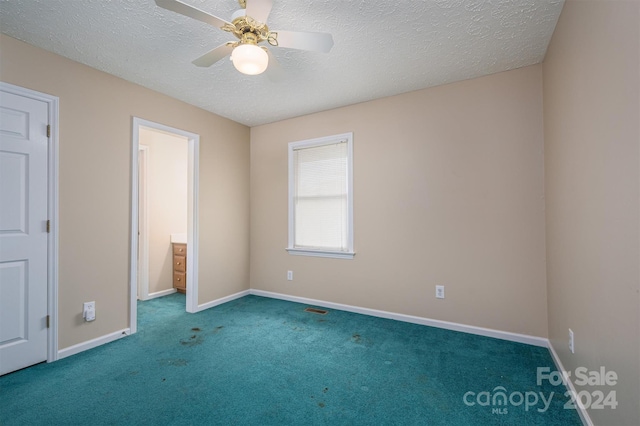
x: 48, y: 321
x: 48, y: 226
x: 48, y: 130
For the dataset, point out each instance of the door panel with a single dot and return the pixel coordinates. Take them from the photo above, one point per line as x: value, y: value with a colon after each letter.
x: 23, y: 234
x: 13, y: 276
x: 13, y: 214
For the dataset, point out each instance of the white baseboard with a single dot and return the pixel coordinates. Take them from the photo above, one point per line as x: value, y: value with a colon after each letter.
x: 90, y: 344
x: 222, y: 300
x: 93, y: 343
x: 504, y: 335
x: 582, y: 411
x: 160, y: 293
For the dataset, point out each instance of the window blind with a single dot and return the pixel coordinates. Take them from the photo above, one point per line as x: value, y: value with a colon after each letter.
x: 320, y: 197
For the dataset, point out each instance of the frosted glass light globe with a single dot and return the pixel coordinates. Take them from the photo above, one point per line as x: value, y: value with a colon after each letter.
x: 250, y: 59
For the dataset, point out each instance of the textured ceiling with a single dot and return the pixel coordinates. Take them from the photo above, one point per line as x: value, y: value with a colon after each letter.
x: 382, y: 48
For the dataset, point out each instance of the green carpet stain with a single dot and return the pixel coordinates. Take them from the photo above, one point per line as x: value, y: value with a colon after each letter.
x: 363, y: 341
x: 217, y: 329
x: 192, y: 341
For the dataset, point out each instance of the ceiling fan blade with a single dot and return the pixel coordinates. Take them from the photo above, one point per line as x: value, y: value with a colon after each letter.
x: 316, y: 42
x: 274, y: 70
x: 213, y: 56
x: 192, y: 12
x: 259, y: 9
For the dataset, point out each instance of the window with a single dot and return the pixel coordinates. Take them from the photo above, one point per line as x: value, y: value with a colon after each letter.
x: 321, y: 197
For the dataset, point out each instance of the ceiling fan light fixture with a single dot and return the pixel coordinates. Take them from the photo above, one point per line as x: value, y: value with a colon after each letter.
x: 250, y: 59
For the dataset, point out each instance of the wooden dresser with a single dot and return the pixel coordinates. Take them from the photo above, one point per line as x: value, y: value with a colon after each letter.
x: 180, y: 267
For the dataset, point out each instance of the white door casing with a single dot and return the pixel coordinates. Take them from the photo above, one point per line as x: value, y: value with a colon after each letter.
x: 143, y: 224
x: 25, y: 268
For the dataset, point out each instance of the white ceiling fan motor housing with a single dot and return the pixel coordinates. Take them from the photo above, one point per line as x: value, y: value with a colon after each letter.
x: 238, y: 14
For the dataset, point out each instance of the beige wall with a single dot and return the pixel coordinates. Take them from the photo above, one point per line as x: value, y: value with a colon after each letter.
x: 96, y: 111
x: 448, y: 189
x: 166, y: 201
x: 591, y: 114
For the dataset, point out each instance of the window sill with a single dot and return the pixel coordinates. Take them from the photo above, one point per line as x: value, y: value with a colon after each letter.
x: 321, y: 253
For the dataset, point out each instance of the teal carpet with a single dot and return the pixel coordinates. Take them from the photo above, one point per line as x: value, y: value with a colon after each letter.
x: 258, y: 361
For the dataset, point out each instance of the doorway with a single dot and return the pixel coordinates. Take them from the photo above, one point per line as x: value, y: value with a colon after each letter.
x: 141, y: 211
x: 162, y: 212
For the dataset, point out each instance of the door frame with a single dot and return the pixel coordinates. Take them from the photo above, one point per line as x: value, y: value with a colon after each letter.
x: 143, y: 223
x: 53, y: 108
x: 192, y: 216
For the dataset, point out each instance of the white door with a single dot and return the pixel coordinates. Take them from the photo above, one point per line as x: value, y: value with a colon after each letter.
x: 23, y: 231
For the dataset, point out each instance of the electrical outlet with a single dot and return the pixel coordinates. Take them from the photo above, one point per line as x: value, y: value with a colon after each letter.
x: 571, y: 346
x: 89, y: 311
x: 290, y: 275
x: 440, y: 291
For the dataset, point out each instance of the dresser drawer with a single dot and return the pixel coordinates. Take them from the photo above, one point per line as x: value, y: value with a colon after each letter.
x: 180, y: 280
x: 179, y: 263
x: 180, y: 267
x: 180, y: 249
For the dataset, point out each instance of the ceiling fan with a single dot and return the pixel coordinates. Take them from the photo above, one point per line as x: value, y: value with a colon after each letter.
x: 248, y: 25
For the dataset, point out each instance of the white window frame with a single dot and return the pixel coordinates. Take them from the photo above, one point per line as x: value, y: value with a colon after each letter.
x: 327, y: 140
